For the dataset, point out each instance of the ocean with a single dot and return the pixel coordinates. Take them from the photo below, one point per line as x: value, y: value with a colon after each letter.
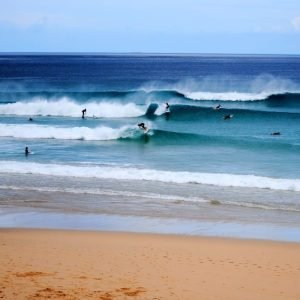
x: 193, y: 165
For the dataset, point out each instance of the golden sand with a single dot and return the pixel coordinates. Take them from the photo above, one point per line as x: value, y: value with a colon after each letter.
x: 57, y: 264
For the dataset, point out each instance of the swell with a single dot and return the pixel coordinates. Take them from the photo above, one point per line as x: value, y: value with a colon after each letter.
x: 195, y: 113
x: 164, y: 137
x: 268, y: 99
x: 132, y: 134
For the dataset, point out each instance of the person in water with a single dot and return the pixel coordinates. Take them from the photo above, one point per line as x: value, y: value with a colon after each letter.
x: 227, y: 117
x: 276, y: 133
x: 26, y: 151
x: 142, y: 126
x: 30, y: 119
x: 219, y: 106
x: 83, y: 113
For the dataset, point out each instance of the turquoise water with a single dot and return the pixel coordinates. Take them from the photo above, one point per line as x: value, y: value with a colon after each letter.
x: 192, y: 147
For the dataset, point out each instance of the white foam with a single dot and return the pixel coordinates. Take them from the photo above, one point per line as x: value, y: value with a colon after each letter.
x: 102, y: 133
x: 228, y: 87
x: 120, y: 173
x: 67, y: 108
x: 161, y: 109
x: 227, y: 96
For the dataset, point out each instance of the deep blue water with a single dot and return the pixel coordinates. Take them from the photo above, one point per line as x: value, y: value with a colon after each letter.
x: 262, y: 93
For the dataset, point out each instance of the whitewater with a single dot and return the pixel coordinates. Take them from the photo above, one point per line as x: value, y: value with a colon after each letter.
x: 100, y: 133
x: 151, y: 175
x: 68, y: 108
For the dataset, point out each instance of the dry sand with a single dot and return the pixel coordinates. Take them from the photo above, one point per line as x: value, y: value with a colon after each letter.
x: 57, y: 264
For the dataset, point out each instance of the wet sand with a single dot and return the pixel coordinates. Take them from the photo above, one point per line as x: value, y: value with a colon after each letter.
x: 59, y: 264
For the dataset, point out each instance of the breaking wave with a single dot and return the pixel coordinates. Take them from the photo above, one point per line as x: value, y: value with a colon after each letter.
x: 226, y: 180
x: 227, y: 96
x: 68, y: 108
x: 101, y: 133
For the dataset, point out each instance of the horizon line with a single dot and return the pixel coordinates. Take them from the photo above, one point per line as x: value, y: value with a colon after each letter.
x: 141, y: 53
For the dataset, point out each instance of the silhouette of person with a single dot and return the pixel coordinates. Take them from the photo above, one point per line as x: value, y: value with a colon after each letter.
x: 228, y: 117
x: 167, y: 108
x: 26, y: 151
x: 142, y: 126
x: 83, y: 113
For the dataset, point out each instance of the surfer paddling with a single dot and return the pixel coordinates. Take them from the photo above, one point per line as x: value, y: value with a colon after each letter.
x: 276, y: 133
x: 227, y: 117
x: 219, y: 106
x: 83, y: 113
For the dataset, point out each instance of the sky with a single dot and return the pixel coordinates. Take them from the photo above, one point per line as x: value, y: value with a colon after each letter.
x: 160, y: 26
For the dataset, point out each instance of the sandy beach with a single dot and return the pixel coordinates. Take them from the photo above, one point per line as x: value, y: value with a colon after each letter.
x: 59, y: 264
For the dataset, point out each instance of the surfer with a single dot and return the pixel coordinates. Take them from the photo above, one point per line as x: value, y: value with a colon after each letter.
x: 30, y: 119
x: 142, y: 126
x: 26, y: 151
x: 83, y: 113
x: 228, y: 117
x: 276, y: 133
x: 219, y: 106
x: 167, y: 108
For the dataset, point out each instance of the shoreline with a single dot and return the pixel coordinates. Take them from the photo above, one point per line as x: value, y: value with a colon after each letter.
x: 18, y: 218
x: 74, y: 264
x: 124, y: 205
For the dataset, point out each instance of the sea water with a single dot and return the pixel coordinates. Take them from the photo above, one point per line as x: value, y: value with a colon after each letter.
x: 191, y: 164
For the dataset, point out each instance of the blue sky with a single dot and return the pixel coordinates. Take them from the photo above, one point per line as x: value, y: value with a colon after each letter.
x: 189, y: 26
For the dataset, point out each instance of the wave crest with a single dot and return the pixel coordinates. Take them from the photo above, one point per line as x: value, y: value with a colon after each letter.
x: 227, y: 96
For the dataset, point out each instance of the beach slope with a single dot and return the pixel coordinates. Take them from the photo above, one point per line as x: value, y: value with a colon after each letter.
x: 58, y: 264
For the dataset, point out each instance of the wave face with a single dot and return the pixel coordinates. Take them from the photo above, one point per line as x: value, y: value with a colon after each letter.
x: 194, y: 116
x: 226, y: 180
x: 101, y: 133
